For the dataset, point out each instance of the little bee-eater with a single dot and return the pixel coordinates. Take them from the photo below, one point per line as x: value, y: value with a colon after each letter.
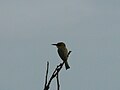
x: 63, y: 53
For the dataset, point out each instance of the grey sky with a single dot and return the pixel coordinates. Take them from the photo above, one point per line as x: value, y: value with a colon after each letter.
x: 90, y: 28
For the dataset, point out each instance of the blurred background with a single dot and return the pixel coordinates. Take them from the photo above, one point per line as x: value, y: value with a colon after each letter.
x: 90, y: 29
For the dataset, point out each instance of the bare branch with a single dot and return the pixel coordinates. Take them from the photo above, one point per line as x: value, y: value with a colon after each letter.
x: 46, y: 75
x: 56, y: 71
x: 58, y: 84
x: 69, y: 53
x: 54, y: 74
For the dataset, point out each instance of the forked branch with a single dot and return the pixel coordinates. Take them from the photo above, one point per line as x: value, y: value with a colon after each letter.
x: 54, y: 74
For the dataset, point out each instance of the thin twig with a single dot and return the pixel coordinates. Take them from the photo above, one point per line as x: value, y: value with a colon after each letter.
x: 69, y: 53
x: 56, y: 71
x: 46, y: 75
x: 58, y: 84
x: 54, y: 74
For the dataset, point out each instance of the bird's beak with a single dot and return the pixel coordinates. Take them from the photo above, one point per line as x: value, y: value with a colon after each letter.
x: 54, y: 44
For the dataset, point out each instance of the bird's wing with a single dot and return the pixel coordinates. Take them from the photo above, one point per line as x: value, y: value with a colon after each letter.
x: 63, y: 53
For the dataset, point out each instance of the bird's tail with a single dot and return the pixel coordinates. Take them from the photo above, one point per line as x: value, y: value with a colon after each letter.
x: 67, y: 65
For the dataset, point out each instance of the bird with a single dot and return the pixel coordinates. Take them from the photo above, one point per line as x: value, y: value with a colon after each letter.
x: 63, y: 53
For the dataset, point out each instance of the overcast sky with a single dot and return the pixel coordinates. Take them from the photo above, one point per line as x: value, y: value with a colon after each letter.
x: 90, y: 28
